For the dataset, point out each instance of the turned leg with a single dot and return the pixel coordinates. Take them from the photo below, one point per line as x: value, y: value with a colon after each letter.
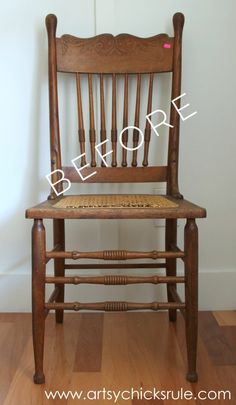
x: 191, y: 295
x: 59, y: 264
x: 171, y: 237
x: 38, y: 296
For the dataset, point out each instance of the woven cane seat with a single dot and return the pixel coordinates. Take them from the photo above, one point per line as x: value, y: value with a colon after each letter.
x: 115, y: 201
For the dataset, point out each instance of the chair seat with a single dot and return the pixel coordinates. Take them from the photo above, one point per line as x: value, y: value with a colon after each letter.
x: 116, y: 206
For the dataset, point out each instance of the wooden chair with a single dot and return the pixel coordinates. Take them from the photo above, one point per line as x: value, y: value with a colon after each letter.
x: 115, y: 56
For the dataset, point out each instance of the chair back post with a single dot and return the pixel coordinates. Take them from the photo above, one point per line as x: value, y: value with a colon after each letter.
x: 55, y: 149
x: 173, y: 150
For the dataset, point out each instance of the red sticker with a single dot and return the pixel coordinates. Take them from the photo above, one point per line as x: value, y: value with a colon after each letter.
x: 167, y: 46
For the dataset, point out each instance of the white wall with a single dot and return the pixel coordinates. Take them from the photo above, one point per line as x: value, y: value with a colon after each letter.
x: 207, y: 151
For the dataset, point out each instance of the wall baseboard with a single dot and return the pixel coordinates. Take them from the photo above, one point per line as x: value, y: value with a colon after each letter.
x: 216, y: 292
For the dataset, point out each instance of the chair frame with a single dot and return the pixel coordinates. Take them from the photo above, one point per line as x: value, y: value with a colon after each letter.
x: 60, y: 61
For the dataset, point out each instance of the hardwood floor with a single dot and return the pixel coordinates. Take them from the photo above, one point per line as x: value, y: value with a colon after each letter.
x: 117, y: 351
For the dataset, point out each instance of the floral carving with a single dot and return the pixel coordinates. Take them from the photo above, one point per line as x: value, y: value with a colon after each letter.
x: 108, y: 45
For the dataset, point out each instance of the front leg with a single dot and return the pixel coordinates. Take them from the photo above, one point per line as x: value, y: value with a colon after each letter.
x: 38, y: 296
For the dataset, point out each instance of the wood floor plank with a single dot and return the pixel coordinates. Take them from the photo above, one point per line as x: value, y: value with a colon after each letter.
x: 61, y: 340
x: 13, y: 338
x: 140, y: 346
x: 229, y: 333
x: 153, y: 344
x: 225, y: 318
x: 115, y: 365
x: 88, y: 356
x: 88, y: 383
x: 22, y: 390
x: 120, y: 370
x: 227, y: 378
x: 6, y: 373
x: 217, y: 346
x: 136, y: 350
x: 207, y: 375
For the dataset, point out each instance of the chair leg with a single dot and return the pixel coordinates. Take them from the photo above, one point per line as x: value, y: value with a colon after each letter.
x: 191, y: 295
x: 38, y: 297
x: 59, y: 264
x: 171, y: 238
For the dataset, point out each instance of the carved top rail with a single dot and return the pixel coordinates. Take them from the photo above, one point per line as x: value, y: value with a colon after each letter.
x: 123, y: 53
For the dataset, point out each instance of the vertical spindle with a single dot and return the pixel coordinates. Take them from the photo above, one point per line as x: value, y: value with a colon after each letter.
x: 113, y: 124
x: 147, y: 132
x: 80, y: 120
x: 125, y: 120
x: 103, y: 123
x: 136, y: 121
x: 92, y: 135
